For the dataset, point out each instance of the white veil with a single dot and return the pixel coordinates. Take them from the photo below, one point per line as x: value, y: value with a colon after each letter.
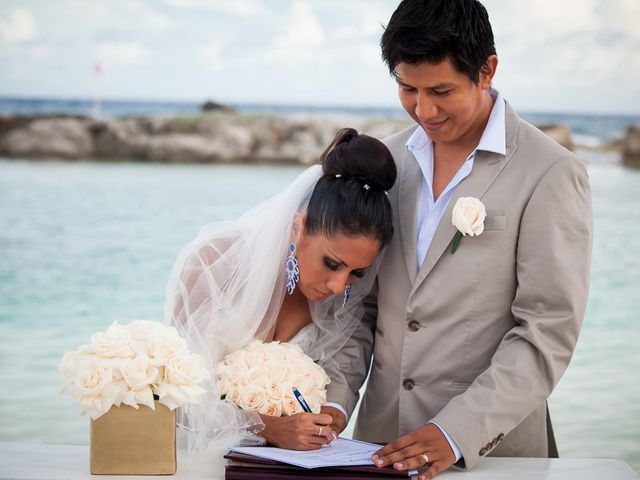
x: 227, y: 287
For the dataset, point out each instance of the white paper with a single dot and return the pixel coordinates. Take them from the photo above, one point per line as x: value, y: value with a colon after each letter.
x: 342, y: 452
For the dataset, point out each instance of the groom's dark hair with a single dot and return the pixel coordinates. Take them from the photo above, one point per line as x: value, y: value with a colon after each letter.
x: 351, y: 197
x: 430, y: 31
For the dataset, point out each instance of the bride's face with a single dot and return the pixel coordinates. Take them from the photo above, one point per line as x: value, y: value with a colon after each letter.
x: 328, y: 264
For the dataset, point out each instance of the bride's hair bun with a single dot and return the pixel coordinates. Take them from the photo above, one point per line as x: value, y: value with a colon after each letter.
x: 360, y: 157
x: 351, y: 197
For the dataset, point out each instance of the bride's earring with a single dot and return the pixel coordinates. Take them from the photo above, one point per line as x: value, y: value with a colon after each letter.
x: 347, y: 294
x: 292, y: 270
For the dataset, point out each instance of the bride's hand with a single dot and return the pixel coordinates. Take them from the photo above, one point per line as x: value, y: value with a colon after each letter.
x: 339, y: 420
x: 302, y: 431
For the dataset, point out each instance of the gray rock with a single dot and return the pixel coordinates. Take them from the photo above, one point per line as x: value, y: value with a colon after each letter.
x: 560, y: 133
x: 212, y: 137
x: 185, y: 148
x: 210, y: 106
x: 121, y: 139
x: 631, y: 146
x: 66, y: 138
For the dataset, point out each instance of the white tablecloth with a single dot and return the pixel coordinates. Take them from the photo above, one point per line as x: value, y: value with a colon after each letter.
x: 69, y: 462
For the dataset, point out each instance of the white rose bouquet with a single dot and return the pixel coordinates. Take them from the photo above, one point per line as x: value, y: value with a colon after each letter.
x: 129, y: 364
x: 261, y: 377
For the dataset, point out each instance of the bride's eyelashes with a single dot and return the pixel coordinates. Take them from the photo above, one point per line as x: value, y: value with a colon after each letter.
x: 334, y: 266
x: 331, y: 264
x: 358, y: 273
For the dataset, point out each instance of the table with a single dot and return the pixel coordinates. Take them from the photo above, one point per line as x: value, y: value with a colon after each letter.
x: 71, y: 462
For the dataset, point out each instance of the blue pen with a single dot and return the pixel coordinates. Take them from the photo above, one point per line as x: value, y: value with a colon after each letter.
x: 301, y: 400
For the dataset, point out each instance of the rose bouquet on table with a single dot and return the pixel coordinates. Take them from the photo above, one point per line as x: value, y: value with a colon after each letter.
x: 261, y: 377
x: 130, y: 364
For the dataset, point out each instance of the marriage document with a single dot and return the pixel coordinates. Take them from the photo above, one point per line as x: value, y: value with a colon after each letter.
x: 342, y: 452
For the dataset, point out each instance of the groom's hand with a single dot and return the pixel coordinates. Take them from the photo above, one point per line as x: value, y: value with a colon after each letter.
x: 339, y: 420
x: 405, y: 452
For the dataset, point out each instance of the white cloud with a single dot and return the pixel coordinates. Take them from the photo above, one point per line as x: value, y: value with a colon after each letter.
x: 242, y: 7
x: 19, y: 27
x: 304, y: 28
x: 301, y: 41
x: 120, y: 53
x: 554, y: 55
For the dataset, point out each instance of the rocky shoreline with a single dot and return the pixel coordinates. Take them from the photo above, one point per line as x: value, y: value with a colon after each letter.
x: 211, y: 137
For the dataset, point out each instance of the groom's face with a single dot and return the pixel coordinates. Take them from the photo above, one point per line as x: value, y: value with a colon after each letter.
x: 447, y: 104
x: 328, y: 264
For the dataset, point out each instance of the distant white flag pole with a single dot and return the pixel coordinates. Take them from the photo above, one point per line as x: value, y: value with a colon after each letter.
x: 96, y: 109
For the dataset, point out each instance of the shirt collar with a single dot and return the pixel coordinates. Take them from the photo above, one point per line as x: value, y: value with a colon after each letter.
x: 493, y: 139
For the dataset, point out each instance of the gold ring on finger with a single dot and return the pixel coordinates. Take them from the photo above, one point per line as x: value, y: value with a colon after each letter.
x: 425, y: 457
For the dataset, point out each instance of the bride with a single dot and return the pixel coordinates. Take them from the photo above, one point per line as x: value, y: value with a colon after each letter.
x: 295, y: 268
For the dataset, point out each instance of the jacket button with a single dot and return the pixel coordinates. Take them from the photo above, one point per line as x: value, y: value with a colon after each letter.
x: 408, y: 384
x: 482, y: 451
x: 414, y: 325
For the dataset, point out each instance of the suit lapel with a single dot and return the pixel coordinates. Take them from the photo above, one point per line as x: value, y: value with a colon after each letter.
x: 486, y: 167
x: 408, y: 190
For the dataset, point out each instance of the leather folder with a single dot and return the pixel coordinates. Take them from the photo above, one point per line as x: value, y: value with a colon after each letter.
x: 248, y: 467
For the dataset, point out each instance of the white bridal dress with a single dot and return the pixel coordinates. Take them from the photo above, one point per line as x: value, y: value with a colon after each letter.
x: 227, y: 287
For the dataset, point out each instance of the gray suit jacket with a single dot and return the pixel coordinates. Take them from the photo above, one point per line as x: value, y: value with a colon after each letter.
x: 477, y: 340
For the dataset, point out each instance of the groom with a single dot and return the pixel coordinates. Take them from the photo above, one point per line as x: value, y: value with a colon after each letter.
x: 465, y: 348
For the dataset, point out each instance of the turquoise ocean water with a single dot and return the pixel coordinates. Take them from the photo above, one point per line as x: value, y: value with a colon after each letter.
x: 86, y: 244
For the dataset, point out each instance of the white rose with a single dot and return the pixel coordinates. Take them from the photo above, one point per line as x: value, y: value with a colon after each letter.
x: 174, y: 396
x: 255, y: 376
x: 316, y: 398
x: 235, y: 395
x: 92, y: 378
x: 468, y: 216
x: 115, y: 342
x: 252, y: 397
x: 140, y: 396
x: 141, y: 329
x: 117, y: 392
x: 138, y: 374
x: 255, y: 358
x: 319, y: 378
x: 164, y: 344
x: 70, y: 363
x: 236, y: 358
x: 277, y: 370
x: 95, y: 406
x: 272, y: 408
x: 233, y: 374
x: 254, y: 345
x: 276, y: 391
x: 290, y: 405
x: 298, y: 363
x: 185, y: 370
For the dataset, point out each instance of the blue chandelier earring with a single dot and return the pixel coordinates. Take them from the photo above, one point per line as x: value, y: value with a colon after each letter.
x: 292, y: 270
x: 347, y: 294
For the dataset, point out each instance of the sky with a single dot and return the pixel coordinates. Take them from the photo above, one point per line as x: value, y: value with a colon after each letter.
x: 572, y: 56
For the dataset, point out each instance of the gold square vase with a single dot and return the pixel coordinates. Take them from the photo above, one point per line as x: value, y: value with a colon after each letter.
x: 126, y: 441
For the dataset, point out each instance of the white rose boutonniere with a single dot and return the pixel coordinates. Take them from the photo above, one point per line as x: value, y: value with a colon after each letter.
x: 468, y: 217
